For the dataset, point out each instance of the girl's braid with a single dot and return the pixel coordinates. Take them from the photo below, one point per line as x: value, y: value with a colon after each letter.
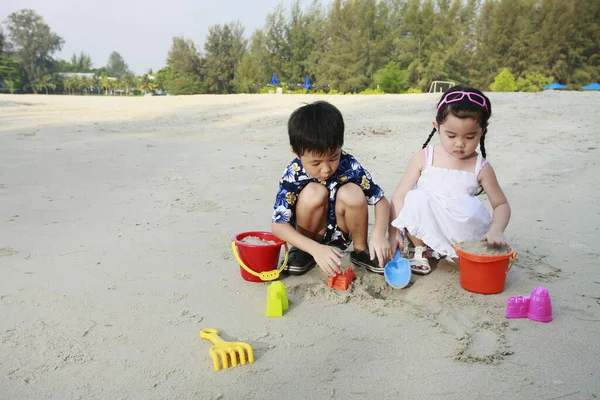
x: 429, y: 138
x: 482, y: 143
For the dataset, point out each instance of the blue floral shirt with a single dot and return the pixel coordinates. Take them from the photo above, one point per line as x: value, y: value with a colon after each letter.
x: 295, y: 178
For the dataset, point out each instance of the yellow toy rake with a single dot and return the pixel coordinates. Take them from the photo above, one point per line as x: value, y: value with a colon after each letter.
x: 225, y: 352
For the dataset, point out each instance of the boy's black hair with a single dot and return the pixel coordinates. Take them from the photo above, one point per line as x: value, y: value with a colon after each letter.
x: 316, y: 127
x: 464, y: 109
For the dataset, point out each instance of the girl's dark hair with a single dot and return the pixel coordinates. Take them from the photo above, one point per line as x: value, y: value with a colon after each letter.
x: 464, y: 108
x: 317, y: 127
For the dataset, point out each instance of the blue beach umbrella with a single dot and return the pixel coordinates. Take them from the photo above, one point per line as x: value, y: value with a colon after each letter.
x: 554, y: 86
x: 274, y: 80
x: 593, y: 86
x: 307, y: 83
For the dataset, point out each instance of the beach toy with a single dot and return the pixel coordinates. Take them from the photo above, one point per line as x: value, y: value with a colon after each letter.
x: 536, y: 307
x: 277, y: 300
x: 484, y: 274
x: 397, y: 271
x: 540, y: 305
x: 226, y: 352
x: 518, y: 307
x: 258, y: 262
x: 342, y: 281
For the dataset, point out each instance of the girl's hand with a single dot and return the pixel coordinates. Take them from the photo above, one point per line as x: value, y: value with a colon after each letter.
x: 396, y: 241
x: 380, y: 247
x: 328, y: 259
x: 495, y: 237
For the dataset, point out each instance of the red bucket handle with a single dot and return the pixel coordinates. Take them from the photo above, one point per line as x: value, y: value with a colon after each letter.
x: 265, y: 275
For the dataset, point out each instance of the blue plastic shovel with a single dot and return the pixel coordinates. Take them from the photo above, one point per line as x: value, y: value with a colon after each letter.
x: 397, y: 271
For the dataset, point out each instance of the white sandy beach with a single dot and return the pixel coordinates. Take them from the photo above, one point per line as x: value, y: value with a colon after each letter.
x: 116, y: 218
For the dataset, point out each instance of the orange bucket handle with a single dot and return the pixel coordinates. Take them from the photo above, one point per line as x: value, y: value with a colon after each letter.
x: 512, y: 260
x: 265, y: 275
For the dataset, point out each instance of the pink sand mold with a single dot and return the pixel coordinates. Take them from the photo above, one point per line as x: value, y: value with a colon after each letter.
x: 536, y: 307
x: 518, y: 307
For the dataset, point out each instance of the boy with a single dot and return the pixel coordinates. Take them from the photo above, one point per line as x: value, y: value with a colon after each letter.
x: 323, y: 197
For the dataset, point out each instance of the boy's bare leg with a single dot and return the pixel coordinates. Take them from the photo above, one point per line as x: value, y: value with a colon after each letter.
x: 311, y: 211
x: 352, y: 214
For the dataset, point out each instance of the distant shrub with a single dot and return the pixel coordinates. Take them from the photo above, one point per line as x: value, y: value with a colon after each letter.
x: 413, y: 90
x: 372, y: 91
x: 391, y: 78
x: 185, y: 85
x: 504, y: 82
x: 533, y: 82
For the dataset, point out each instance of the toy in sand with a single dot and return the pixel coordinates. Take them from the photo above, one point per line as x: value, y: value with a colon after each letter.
x: 256, y: 240
x: 481, y: 247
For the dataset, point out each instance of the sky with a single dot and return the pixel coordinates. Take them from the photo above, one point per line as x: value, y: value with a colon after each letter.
x: 140, y: 30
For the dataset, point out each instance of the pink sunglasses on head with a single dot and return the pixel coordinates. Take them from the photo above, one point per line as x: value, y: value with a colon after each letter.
x: 473, y: 97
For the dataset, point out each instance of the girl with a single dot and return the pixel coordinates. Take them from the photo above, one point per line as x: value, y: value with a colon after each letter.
x: 435, y: 203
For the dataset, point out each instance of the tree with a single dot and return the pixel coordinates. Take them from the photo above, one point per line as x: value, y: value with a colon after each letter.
x: 246, y: 76
x: 391, y: 78
x: 44, y: 83
x: 504, y: 82
x: 10, y: 78
x: 33, y: 43
x: 105, y: 83
x: 116, y: 66
x: 2, y: 41
x: 147, y: 83
x: 224, y: 48
x: 185, y: 68
x: 81, y: 63
x: 129, y: 81
x: 533, y: 82
x: 163, y: 76
x: 276, y: 45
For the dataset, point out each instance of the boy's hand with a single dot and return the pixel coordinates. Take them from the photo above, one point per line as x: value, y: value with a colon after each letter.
x: 495, y: 237
x: 328, y: 259
x: 380, y: 247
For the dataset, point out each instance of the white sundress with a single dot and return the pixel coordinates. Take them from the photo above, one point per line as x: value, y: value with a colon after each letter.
x: 442, y: 209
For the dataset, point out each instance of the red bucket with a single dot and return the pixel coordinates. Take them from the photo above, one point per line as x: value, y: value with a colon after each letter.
x: 484, y: 274
x: 258, y: 262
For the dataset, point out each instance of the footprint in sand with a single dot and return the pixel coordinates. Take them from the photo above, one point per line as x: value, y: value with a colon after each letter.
x: 536, y: 268
x: 477, y: 324
x: 483, y: 341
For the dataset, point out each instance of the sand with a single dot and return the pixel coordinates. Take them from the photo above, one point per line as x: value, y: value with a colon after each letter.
x: 483, y: 248
x: 117, y: 216
x: 256, y: 241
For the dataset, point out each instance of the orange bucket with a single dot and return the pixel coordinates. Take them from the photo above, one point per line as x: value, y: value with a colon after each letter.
x: 258, y: 262
x: 482, y: 273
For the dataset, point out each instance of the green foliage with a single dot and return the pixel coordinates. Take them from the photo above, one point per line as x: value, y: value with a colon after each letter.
x: 413, y: 90
x: 224, y: 48
x: 10, y: 78
x: 116, y: 66
x: 33, y: 44
x: 147, y: 82
x: 581, y: 77
x: 345, y: 45
x: 372, y: 91
x: 504, y: 82
x: 391, y: 78
x: 533, y: 82
x: 187, y: 84
x: 163, y: 76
